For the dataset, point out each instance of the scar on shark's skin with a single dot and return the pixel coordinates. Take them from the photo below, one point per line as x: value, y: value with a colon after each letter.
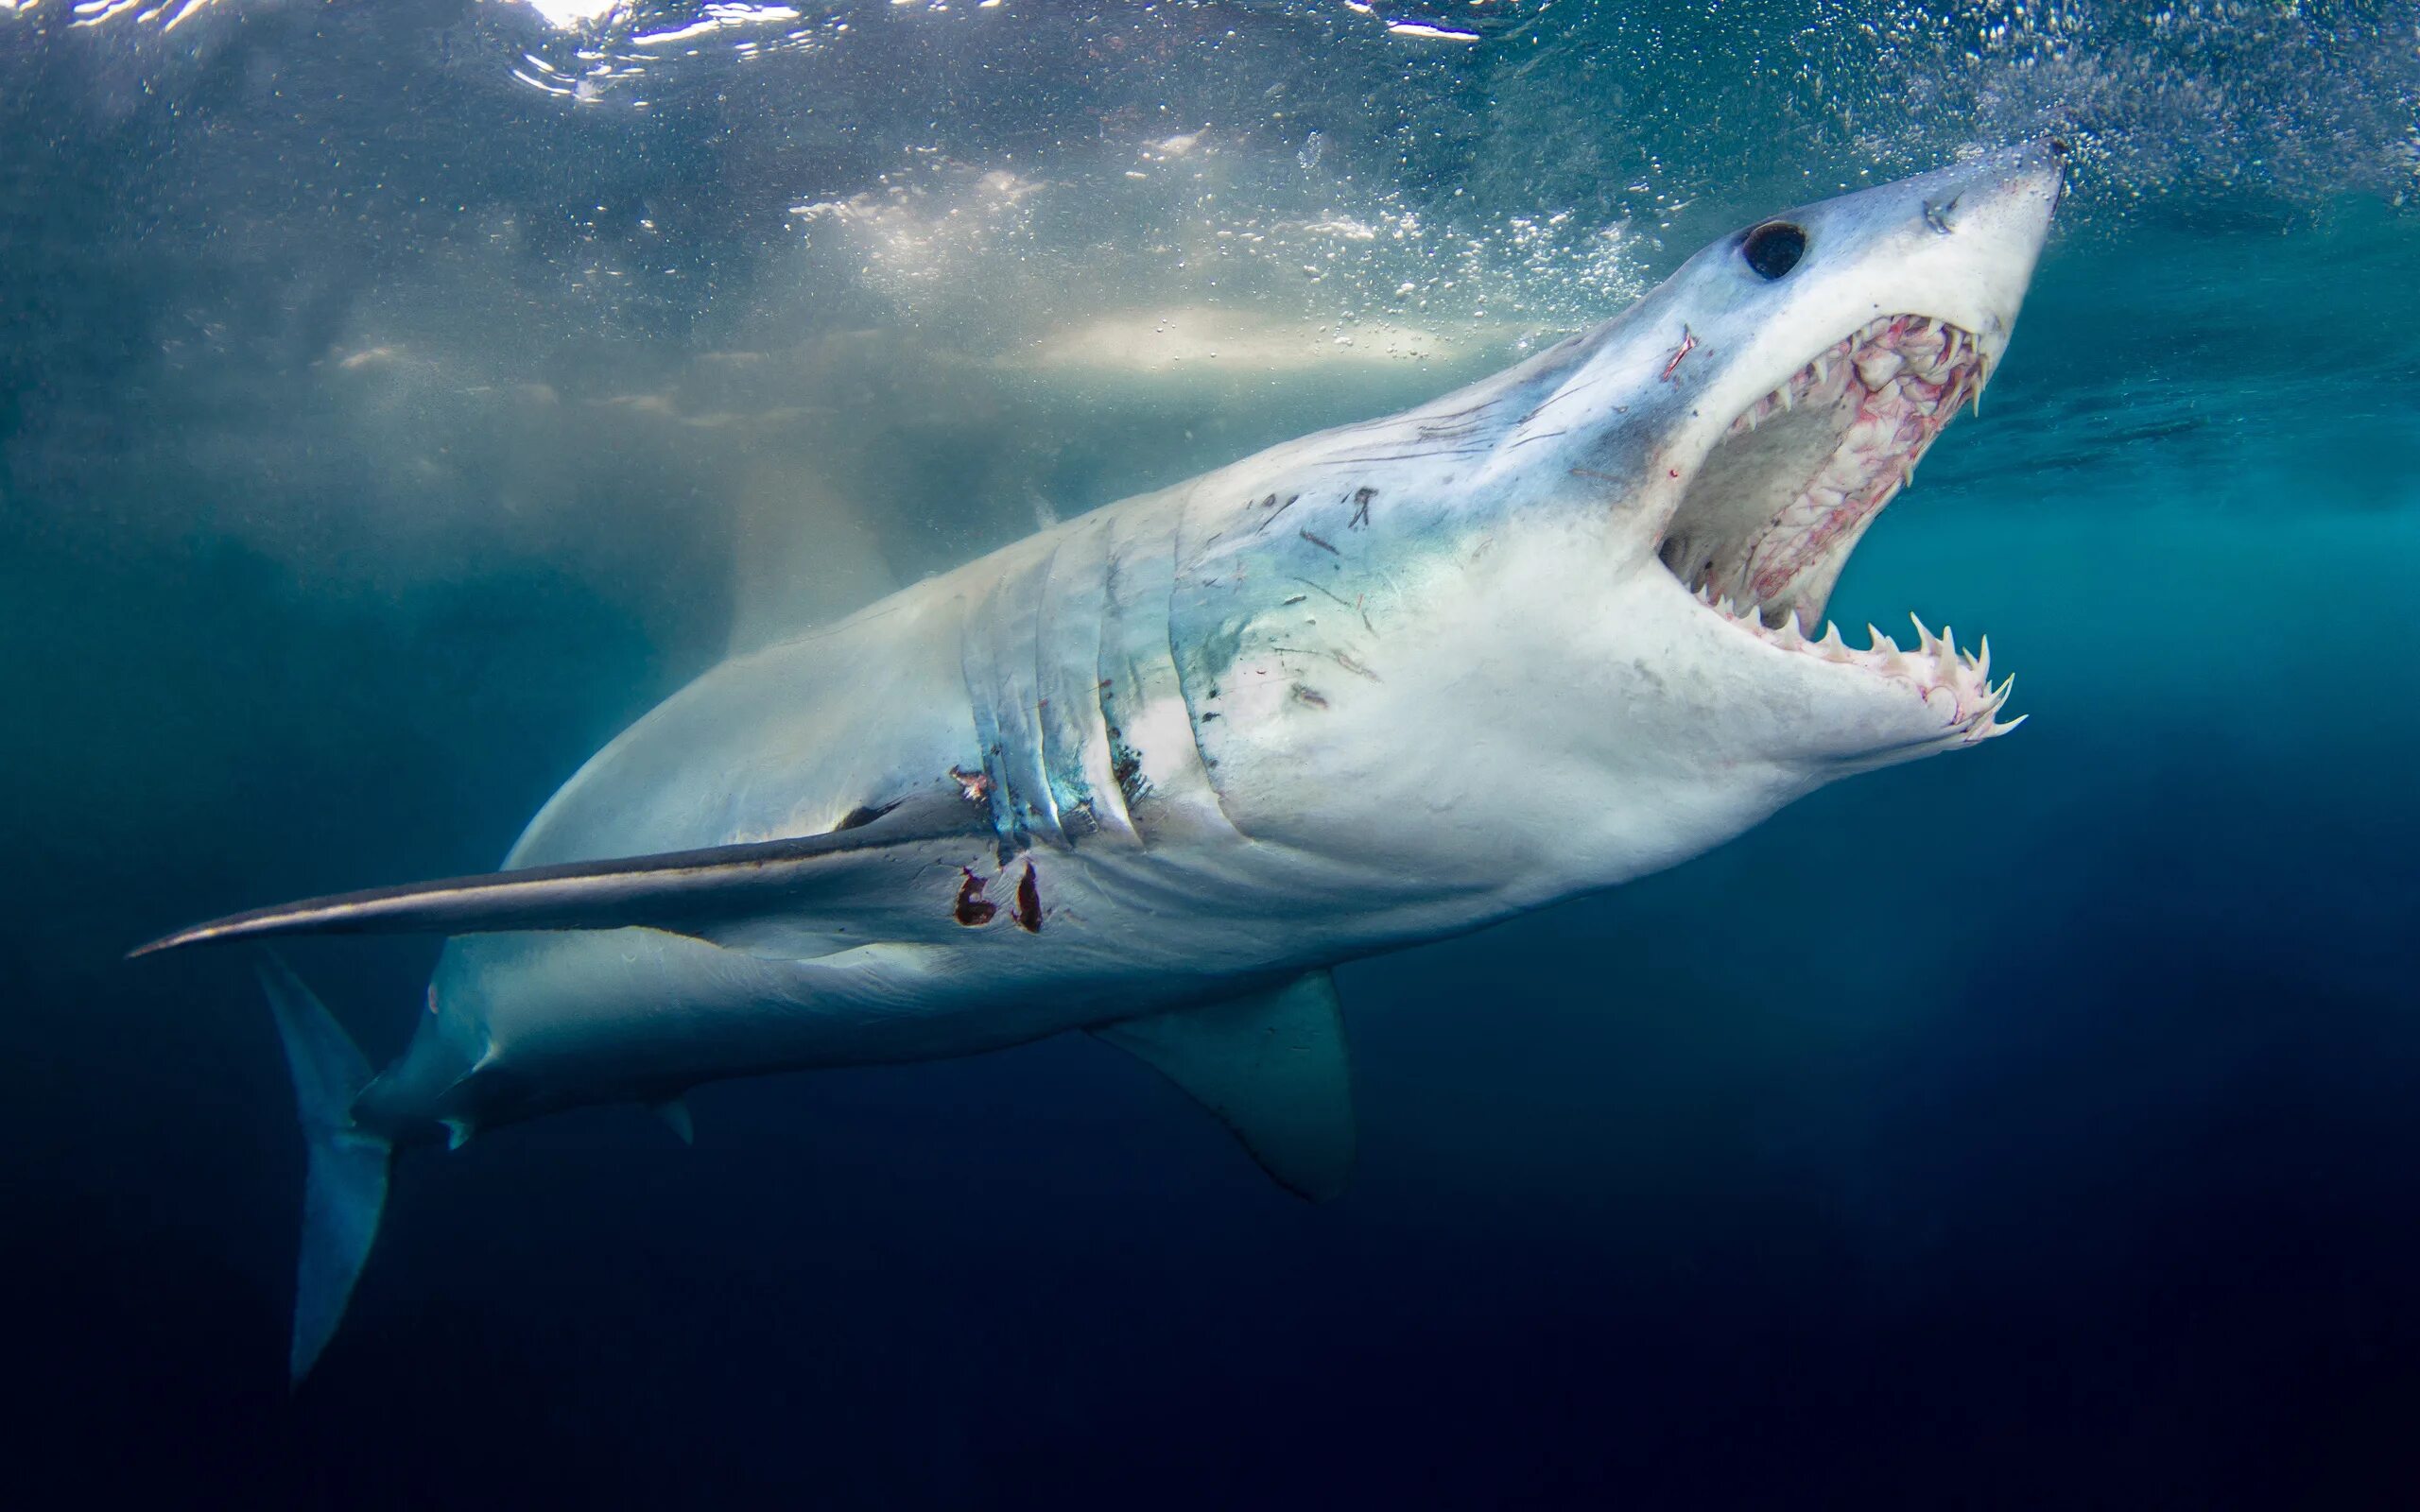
x: 976, y: 786
x: 973, y: 908
x: 1688, y: 344
x: 1353, y: 603
x: 1029, y: 908
x: 1309, y: 696
x: 1328, y: 546
x: 1361, y: 498
x: 1357, y: 669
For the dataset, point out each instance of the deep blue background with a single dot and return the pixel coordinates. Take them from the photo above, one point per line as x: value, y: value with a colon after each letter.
x: 2035, y: 1126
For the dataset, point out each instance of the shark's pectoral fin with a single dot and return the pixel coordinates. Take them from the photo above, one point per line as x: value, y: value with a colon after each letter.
x: 1273, y: 1066
x: 690, y: 892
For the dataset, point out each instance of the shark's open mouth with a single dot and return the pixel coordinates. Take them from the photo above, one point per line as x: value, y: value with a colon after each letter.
x: 1771, y: 518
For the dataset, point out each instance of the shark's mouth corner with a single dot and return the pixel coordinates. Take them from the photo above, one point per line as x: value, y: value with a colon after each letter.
x: 1771, y: 517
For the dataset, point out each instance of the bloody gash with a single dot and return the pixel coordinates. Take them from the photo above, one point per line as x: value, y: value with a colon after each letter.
x: 1152, y: 772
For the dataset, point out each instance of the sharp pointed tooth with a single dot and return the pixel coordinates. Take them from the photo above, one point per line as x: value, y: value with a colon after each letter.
x: 1876, y: 641
x: 2003, y: 726
x: 1794, y: 630
x: 1833, y: 647
x: 1785, y: 398
x: 1983, y: 662
x: 1724, y: 605
x: 1924, y: 637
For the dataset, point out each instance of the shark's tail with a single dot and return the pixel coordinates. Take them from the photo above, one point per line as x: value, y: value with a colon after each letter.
x: 345, y: 1189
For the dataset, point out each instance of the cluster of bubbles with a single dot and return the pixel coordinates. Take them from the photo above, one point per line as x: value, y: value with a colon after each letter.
x: 1499, y: 167
x: 749, y: 227
x: 1493, y: 171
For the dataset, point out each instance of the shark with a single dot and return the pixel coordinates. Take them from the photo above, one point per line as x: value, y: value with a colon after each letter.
x: 1151, y: 773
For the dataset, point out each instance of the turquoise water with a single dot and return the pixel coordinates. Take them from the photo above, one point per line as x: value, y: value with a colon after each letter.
x: 397, y: 401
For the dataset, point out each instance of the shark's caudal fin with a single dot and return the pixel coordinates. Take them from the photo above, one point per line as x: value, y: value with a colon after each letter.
x: 345, y: 1189
x: 1271, y: 1066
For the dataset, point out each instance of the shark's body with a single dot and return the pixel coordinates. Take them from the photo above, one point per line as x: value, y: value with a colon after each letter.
x: 1150, y: 772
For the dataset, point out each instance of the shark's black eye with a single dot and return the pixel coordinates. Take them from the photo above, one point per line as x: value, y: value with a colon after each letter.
x: 1773, y: 249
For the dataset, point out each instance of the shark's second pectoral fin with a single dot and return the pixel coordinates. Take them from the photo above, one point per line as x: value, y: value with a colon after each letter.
x: 1273, y: 1066
x: 675, y: 1113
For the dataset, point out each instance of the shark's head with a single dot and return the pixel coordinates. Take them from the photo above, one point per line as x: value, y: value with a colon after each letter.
x: 1741, y: 428
x: 1745, y: 424
x: 1831, y: 343
x: 1622, y: 551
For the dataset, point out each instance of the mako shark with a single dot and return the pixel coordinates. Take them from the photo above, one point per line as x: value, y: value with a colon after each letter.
x: 1153, y: 771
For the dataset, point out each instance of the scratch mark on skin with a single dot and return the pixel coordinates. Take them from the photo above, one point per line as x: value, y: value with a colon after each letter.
x: 1354, y: 604
x: 1340, y: 659
x: 1274, y: 510
x: 1357, y: 459
x: 974, y: 786
x: 1324, y: 545
x: 1354, y: 667
x: 1296, y: 600
x: 1592, y: 472
x: 1688, y: 344
x: 1563, y: 395
x: 1361, y: 498
x: 1309, y: 696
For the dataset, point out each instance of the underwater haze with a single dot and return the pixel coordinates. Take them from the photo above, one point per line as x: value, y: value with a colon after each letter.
x: 398, y: 400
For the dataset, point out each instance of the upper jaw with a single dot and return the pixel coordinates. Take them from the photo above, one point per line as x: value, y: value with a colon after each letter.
x: 1794, y: 481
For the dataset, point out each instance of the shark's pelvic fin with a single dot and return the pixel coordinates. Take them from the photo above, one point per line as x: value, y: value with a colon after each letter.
x: 675, y: 1113
x: 683, y: 891
x: 1273, y: 1066
x: 345, y: 1185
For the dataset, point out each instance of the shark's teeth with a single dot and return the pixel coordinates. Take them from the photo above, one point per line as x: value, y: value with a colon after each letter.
x: 1934, y: 666
x: 1893, y: 384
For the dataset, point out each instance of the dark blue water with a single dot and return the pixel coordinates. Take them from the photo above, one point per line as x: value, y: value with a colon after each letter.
x: 380, y: 431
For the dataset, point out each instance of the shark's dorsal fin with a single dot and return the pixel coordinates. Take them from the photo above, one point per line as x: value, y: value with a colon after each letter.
x: 1273, y: 1066
x: 677, y: 890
